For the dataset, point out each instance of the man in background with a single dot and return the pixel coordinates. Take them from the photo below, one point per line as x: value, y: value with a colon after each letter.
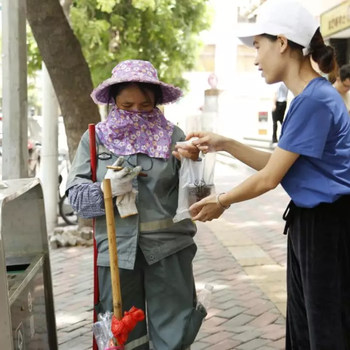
x: 342, y: 84
x: 279, y: 108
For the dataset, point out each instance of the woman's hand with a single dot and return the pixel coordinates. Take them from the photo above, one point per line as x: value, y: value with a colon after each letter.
x: 121, y: 181
x: 186, y: 151
x: 206, y: 210
x: 208, y: 141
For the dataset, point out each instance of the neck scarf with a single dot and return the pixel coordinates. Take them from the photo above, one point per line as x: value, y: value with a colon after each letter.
x: 130, y: 132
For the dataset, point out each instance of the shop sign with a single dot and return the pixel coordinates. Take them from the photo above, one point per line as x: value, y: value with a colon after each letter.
x: 336, y: 19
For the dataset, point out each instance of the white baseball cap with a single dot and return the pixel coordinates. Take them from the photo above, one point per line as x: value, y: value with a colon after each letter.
x: 282, y: 17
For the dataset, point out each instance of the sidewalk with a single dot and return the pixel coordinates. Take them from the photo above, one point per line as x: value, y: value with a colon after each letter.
x: 242, y: 254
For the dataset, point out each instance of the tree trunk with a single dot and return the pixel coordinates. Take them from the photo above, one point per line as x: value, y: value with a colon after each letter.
x: 66, y: 5
x: 69, y: 72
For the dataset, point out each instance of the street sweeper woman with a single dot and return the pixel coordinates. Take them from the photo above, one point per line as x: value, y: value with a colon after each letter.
x: 155, y: 255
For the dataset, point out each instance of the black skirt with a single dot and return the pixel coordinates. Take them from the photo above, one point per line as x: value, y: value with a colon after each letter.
x: 318, y: 276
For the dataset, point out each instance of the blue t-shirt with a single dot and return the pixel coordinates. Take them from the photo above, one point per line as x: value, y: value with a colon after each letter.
x: 317, y: 127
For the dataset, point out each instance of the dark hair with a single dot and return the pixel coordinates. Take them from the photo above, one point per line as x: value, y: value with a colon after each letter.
x: 321, y: 53
x: 116, y: 89
x: 344, y: 72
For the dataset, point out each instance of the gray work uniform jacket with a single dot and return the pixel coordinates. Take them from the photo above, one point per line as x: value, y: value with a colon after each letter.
x: 153, y: 228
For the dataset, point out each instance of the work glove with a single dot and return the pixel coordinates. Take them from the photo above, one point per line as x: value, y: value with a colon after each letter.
x: 126, y: 204
x: 121, y: 181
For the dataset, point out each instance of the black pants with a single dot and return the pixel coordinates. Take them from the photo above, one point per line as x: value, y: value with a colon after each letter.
x: 318, y: 277
x: 278, y: 116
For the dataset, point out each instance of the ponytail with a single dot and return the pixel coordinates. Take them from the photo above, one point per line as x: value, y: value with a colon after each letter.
x: 323, y: 54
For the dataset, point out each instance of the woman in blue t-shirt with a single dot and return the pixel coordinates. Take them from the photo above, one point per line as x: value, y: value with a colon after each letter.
x: 312, y: 162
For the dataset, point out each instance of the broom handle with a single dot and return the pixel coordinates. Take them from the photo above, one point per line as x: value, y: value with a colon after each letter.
x: 93, y: 161
x: 113, y: 253
x: 93, y: 156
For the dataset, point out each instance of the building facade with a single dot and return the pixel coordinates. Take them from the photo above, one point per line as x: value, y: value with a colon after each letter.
x: 245, y: 100
x: 335, y: 27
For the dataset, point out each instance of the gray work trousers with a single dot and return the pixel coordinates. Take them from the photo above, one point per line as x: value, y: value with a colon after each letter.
x: 167, y: 289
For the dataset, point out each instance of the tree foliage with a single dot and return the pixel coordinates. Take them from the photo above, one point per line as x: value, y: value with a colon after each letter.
x: 164, y: 32
x: 34, y: 58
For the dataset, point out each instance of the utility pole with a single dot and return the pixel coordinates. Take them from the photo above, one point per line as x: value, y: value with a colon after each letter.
x: 49, y: 155
x: 14, y: 72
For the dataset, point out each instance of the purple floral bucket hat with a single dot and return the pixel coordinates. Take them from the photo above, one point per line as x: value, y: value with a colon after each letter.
x: 134, y: 71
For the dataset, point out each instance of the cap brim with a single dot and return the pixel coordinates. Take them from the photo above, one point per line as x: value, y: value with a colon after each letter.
x: 247, y: 35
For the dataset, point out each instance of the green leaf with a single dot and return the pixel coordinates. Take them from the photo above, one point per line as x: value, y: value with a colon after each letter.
x: 144, y: 4
x: 106, y: 5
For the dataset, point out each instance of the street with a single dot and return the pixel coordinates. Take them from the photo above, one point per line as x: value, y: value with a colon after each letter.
x: 243, y: 254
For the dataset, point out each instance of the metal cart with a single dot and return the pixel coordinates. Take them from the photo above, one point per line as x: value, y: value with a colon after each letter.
x: 27, y: 315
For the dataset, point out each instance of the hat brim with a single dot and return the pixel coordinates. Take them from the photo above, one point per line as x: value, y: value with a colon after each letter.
x: 247, y: 35
x: 100, y: 95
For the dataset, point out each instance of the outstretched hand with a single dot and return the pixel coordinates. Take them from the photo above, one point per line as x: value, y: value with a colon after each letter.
x: 207, y: 141
x: 206, y: 210
x: 186, y: 151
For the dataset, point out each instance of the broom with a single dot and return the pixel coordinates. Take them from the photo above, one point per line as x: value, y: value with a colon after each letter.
x: 121, y: 325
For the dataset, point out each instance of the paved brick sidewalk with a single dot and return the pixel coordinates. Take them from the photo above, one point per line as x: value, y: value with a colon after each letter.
x: 261, y: 218
x: 72, y: 283
x: 242, y: 315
